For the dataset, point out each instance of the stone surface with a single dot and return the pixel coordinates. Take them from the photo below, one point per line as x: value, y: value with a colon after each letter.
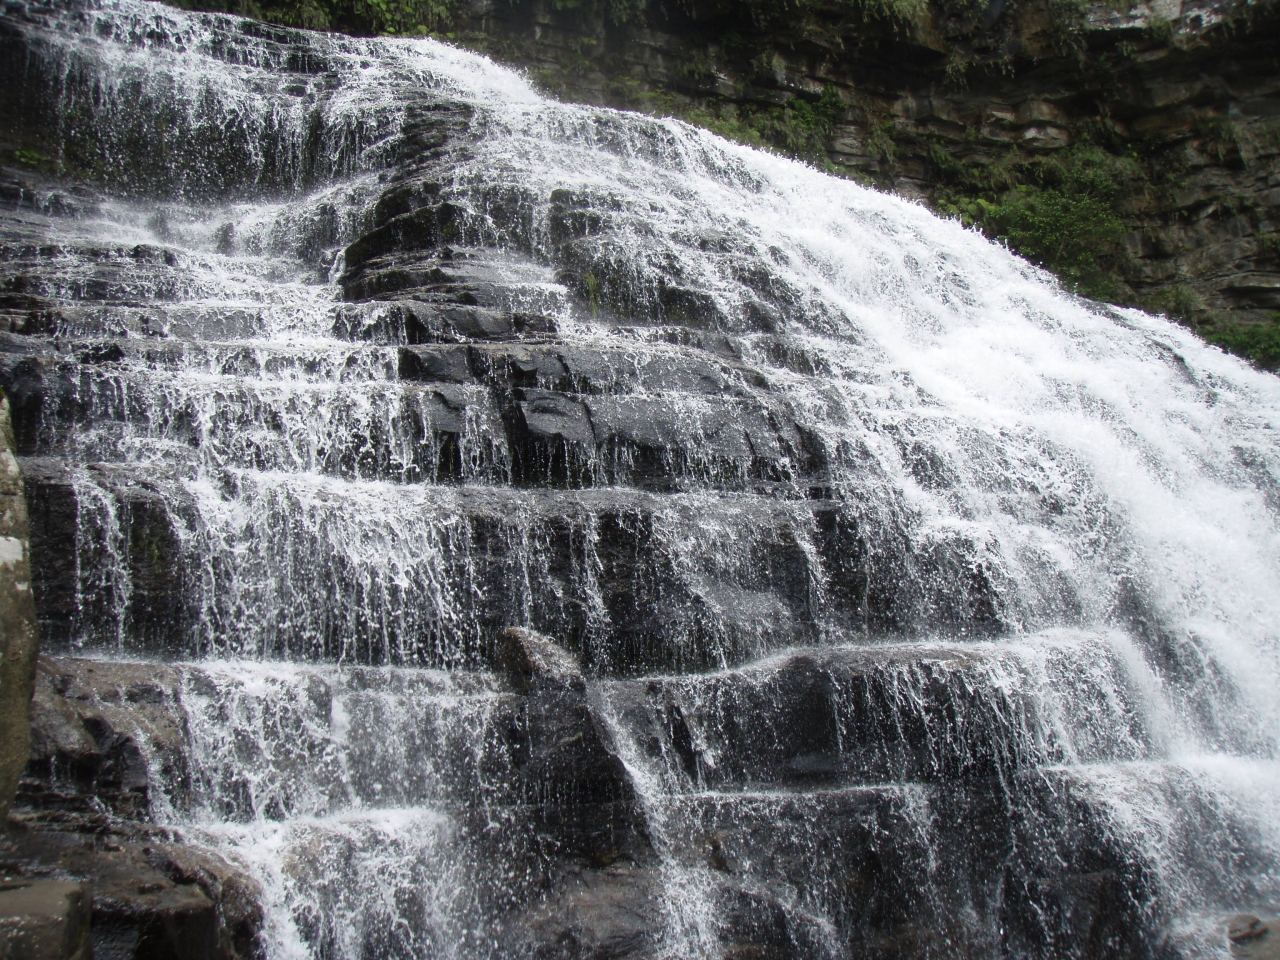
x: 602, y: 913
x: 1253, y: 937
x: 100, y: 733
x: 104, y: 731
x: 45, y: 920
x: 534, y: 661
x: 567, y: 767
x: 98, y: 729
x: 151, y: 896
x: 654, y: 500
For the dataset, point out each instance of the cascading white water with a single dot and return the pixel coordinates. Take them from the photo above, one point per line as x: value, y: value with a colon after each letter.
x: 1059, y: 519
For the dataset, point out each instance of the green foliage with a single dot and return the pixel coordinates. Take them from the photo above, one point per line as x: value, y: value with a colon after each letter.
x: 1269, y: 247
x: 592, y: 284
x: 29, y: 158
x: 1259, y: 343
x: 801, y: 128
x: 1062, y: 231
x: 620, y: 12
x: 1161, y: 29
x: 1062, y: 211
x: 879, y: 141
x: 1219, y: 138
x: 903, y: 11
x: 1178, y: 301
x: 367, y: 17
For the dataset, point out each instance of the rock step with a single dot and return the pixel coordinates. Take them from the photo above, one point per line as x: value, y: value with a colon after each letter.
x: 557, y: 436
x: 891, y: 713
x: 1186, y: 817
x: 255, y: 757
x: 45, y: 920
x: 1056, y: 853
x: 60, y: 274
x: 622, y: 364
x: 855, y: 869
x: 208, y: 743
x: 635, y: 582
x: 159, y: 733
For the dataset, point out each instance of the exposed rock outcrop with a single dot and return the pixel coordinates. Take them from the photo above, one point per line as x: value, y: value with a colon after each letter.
x: 1253, y: 938
x: 45, y: 920
x: 842, y: 665
x: 110, y: 740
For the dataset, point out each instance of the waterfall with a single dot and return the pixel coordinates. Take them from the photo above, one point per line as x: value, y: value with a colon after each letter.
x: 929, y: 609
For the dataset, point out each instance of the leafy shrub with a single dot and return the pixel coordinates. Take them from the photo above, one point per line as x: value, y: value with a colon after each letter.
x: 1178, y: 301
x: 1061, y: 211
x: 403, y: 17
x: 1259, y: 343
x: 1064, y: 232
x: 30, y: 158
x: 800, y: 128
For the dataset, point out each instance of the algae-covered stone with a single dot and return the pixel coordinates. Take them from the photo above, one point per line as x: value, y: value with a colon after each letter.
x: 18, y: 637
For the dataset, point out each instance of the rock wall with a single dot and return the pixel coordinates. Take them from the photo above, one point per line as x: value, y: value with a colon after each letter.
x: 1130, y: 150
x: 111, y: 743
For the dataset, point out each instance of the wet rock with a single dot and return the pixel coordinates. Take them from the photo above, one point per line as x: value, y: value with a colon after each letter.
x: 1253, y: 938
x: 150, y: 512
x: 96, y: 729
x: 433, y: 363
x: 569, y: 772
x: 151, y: 897
x: 1244, y: 927
x: 552, y: 416
x: 533, y: 662
x: 44, y: 920
x: 102, y: 732
x: 421, y: 229
x: 614, y: 912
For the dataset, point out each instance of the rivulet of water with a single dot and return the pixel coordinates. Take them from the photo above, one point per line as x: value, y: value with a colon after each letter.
x: 907, y: 583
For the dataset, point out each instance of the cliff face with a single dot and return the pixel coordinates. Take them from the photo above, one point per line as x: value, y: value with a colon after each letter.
x: 1134, y: 152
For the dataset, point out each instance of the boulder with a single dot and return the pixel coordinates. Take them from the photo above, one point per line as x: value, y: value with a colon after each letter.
x: 533, y: 661
x: 101, y: 733
x: 94, y: 726
x: 1253, y: 937
x: 145, y: 894
x: 566, y: 767
x: 613, y: 912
